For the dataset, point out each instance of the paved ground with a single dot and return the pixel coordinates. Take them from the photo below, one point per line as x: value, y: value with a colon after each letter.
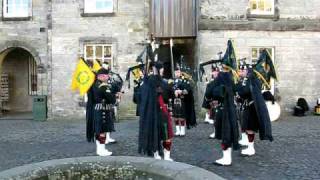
x: 293, y: 155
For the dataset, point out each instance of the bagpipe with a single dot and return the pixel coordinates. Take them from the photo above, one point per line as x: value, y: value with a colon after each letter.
x: 210, y: 62
x: 116, y: 81
x: 217, y: 62
x: 142, y: 67
x: 135, y: 70
x: 187, y: 72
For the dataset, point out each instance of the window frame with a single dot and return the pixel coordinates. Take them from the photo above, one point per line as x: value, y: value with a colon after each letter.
x: 272, y: 81
x: 7, y: 15
x: 94, y: 53
x: 260, y: 12
x: 32, y: 76
x: 91, y: 10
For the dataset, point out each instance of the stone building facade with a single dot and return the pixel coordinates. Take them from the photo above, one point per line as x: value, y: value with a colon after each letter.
x: 55, y: 33
x: 73, y: 29
x: 24, y: 53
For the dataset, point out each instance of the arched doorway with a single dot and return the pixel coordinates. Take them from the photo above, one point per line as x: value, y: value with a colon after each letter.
x: 18, y: 72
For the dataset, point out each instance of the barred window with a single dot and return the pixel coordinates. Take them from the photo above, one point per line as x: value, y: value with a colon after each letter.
x: 98, y: 6
x: 33, y: 78
x: 16, y: 8
x: 261, y: 7
x: 98, y: 52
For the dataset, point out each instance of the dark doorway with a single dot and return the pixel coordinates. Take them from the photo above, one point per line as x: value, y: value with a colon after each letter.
x: 181, y: 47
x: 18, y: 84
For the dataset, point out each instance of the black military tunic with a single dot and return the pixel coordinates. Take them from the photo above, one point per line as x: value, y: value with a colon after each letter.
x: 179, y: 106
x: 105, y: 98
x: 226, y: 126
x: 255, y: 116
x: 249, y: 119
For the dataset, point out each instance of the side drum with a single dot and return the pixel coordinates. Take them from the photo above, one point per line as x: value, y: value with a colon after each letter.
x: 274, y: 110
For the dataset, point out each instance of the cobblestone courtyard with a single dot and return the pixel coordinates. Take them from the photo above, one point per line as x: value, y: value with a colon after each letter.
x: 294, y: 154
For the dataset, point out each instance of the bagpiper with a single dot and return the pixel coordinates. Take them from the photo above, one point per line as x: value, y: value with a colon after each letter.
x: 138, y: 73
x: 183, y: 111
x: 240, y: 101
x: 206, y: 102
x: 223, y: 91
x: 210, y: 104
x: 256, y: 116
x: 102, y: 98
x: 155, y: 132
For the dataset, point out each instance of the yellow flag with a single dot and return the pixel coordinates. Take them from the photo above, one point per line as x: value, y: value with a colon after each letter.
x: 136, y: 73
x: 96, y: 66
x: 83, y: 78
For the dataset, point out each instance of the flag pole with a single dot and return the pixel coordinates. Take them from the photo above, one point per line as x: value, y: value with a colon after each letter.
x: 171, y: 53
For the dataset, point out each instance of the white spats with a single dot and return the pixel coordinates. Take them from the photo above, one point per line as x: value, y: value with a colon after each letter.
x: 244, y: 139
x: 212, y: 135
x: 226, y: 158
x: 156, y: 155
x: 182, y: 130
x: 207, y: 119
x: 249, y: 151
x: 178, y: 132
x: 166, y: 155
x: 101, y: 150
x: 109, y: 139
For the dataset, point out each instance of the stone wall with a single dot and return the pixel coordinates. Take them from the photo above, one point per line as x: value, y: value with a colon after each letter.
x: 299, y: 9
x: 294, y: 33
x: 26, y: 34
x: 296, y: 59
x: 71, y: 29
x: 237, y: 9
x: 222, y: 10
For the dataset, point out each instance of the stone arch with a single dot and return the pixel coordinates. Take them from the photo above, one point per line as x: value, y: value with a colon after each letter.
x: 15, y: 107
x: 9, y: 45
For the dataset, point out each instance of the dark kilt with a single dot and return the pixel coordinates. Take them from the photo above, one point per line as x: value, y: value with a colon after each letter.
x: 103, y: 120
x: 218, y: 122
x: 250, y: 119
x: 179, y: 110
x: 136, y: 100
x: 222, y: 132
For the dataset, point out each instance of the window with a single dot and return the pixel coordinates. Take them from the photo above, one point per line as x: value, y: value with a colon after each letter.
x: 33, y: 78
x: 99, y: 52
x: 261, y: 7
x: 98, y: 6
x: 255, y: 54
x: 174, y: 18
x: 16, y: 8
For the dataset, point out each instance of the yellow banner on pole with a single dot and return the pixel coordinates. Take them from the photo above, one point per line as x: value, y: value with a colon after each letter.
x: 83, y: 78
